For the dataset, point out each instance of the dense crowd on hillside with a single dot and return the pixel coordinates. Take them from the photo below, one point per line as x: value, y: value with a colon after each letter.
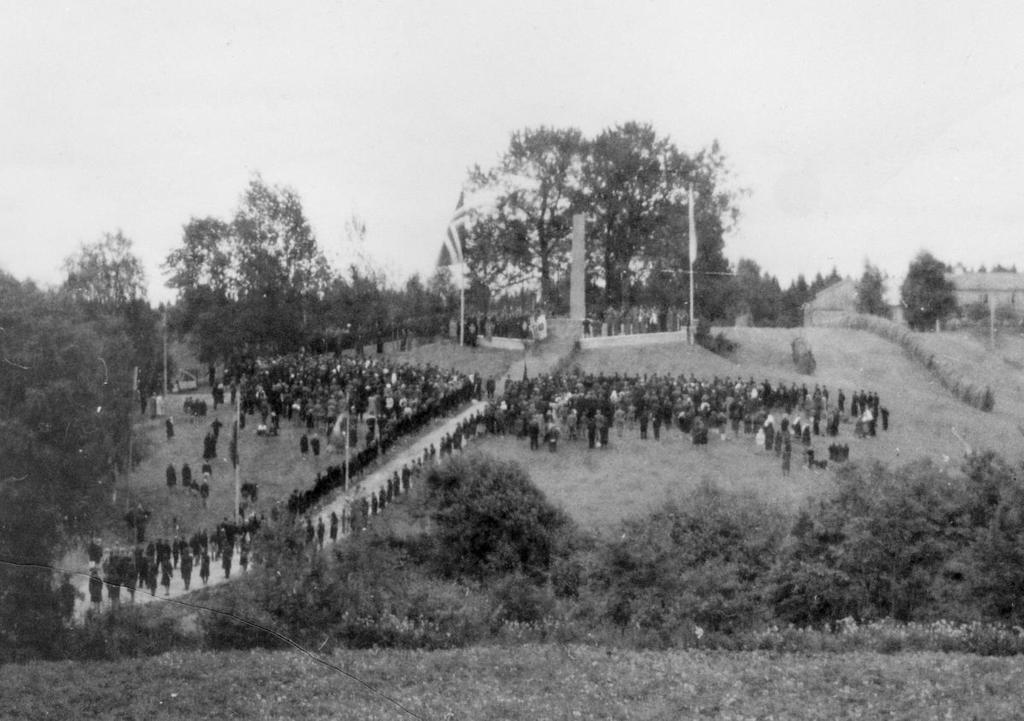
x: 388, y: 400
x: 315, y: 389
x: 593, y: 406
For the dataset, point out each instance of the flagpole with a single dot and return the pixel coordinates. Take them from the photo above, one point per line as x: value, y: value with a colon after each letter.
x: 237, y: 458
x: 693, y: 248
x: 462, y: 304
x: 348, y: 420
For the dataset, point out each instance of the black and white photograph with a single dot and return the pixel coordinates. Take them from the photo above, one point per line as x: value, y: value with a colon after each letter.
x: 481, y: 361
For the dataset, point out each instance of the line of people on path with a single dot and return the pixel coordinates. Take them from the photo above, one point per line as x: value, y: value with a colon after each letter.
x: 356, y: 512
x: 153, y: 564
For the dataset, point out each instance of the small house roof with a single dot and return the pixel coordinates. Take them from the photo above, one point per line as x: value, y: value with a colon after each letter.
x: 838, y: 296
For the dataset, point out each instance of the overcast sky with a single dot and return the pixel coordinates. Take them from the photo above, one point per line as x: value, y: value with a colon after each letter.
x: 862, y: 130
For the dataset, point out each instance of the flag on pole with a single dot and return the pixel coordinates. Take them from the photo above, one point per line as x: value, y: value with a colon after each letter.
x: 452, y: 252
x: 692, y: 229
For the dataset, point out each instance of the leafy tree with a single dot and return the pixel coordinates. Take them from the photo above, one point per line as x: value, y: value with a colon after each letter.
x: 879, y: 545
x: 792, y: 302
x: 491, y: 519
x: 106, y: 282
x: 64, y: 417
x: 927, y: 295
x: 706, y: 562
x: 106, y: 274
x: 529, y: 225
x: 871, y: 291
x: 258, y: 279
x: 756, y: 293
x: 631, y: 183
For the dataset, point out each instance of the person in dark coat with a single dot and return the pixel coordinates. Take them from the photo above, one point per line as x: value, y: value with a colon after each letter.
x: 320, y: 532
x: 142, y: 567
x: 186, y: 566
x: 172, y: 476
x: 204, y: 566
x: 165, y: 577
x: 314, y: 444
x: 152, y: 577
x: 304, y: 444
x: 225, y: 560
x: 334, y: 526
x: 95, y: 552
x: 95, y: 588
x: 186, y: 476
x: 169, y: 427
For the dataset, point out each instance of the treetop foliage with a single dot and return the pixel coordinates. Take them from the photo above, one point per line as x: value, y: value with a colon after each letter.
x: 926, y: 294
x: 631, y: 184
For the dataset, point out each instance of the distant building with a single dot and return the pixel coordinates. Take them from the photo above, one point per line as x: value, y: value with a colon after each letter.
x: 1000, y: 289
x: 831, y: 303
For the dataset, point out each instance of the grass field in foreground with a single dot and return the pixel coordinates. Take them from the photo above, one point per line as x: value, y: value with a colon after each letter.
x: 525, y: 682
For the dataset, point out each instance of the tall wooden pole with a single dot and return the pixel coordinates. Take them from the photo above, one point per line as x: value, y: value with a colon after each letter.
x: 128, y: 466
x: 165, y: 356
x: 238, y: 451
x: 693, y: 251
x: 462, y: 302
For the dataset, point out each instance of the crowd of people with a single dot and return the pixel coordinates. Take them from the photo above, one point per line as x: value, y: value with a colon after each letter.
x: 630, y: 320
x: 367, y: 404
x: 576, y: 406
x: 356, y: 511
x: 149, y: 565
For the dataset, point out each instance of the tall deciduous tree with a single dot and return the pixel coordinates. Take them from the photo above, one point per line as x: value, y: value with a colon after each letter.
x: 256, y: 279
x: 927, y: 295
x: 871, y: 291
x: 526, y: 228
x: 106, y: 274
x: 634, y: 186
x: 64, y: 407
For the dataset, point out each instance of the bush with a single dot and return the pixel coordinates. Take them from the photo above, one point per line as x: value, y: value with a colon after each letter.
x: 490, y: 519
x: 705, y: 562
x: 520, y: 601
x: 803, y: 358
x: 128, y: 631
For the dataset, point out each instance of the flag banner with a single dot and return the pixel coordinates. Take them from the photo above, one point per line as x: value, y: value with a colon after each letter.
x: 692, y: 229
x: 452, y: 252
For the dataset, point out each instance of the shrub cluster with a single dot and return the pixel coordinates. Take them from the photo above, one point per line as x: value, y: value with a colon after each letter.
x: 803, y: 358
x: 884, y: 560
x: 718, y: 343
x: 971, y: 392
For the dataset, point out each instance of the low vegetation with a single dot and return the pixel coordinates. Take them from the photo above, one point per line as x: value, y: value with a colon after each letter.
x: 956, y: 380
x: 911, y: 558
x: 527, y: 682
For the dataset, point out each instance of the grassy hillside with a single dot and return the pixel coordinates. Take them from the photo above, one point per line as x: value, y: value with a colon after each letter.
x: 524, y: 682
x: 600, y: 487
